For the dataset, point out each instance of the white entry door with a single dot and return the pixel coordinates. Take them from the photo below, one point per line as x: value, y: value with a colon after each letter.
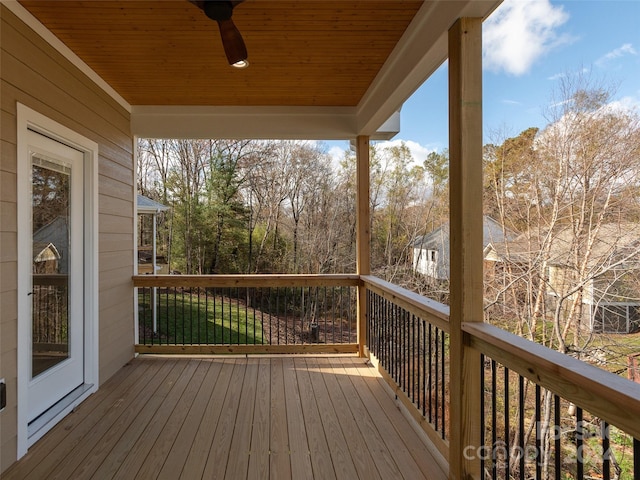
x: 56, y: 272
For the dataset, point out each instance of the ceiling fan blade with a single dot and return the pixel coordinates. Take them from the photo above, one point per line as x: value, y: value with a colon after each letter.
x: 234, y: 46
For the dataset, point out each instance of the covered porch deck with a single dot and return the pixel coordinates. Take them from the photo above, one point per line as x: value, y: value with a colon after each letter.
x: 236, y: 417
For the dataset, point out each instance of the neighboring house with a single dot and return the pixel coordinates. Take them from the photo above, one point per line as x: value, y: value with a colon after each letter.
x: 148, y: 259
x: 51, y: 247
x: 610, y: 293
x: 431, y: 251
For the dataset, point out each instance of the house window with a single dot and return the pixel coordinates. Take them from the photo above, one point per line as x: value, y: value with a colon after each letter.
x: 432, y: 263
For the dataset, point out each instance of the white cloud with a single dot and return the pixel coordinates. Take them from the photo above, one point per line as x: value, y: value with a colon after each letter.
x: 519, y: 32
x: 418, y: 152
x: 626, y: 49
x: 625, y: 104
x: 561, y: 75
x: 337, y: 154
x: 557, y: 76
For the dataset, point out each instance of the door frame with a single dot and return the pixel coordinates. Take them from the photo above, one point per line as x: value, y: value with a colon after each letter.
x: 29, y: 119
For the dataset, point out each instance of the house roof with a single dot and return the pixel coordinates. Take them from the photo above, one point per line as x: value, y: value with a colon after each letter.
x: 146, y: 205
x: 318, y: 69
x: 613, y: 242
x: 492, y: 233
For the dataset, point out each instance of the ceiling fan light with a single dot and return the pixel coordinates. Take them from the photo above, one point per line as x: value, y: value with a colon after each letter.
x: 241, y: 64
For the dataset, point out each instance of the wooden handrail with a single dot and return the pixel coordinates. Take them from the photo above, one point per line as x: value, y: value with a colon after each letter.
x: 264, y: 280
x: 609, y: 396
x: 425, y: 308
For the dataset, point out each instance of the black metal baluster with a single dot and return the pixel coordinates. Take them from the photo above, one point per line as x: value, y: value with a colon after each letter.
x: 238, y: 326
x: 324, y: 312
x: 538, y: 433
x: 382, y: 321
x: 251, y: 300
x: 606, y: 460
x: 337, y: 317
x: 521, y: 413
x: 494, y: 419
x: 261, y: 316
x: 371, y: 323
x: 215, y: 317
x: 507, y: 473
x: 579, y: 444
x: 270, y: 315
x: 188, y: 305
x: 199, y: 319
x: 407, y: 354
x: 206, y: 315
x: 175, y: 317
x: 557, y: 437
x: 437, y: 375
x: 483, y: 425
x: 430, y: 371
x: 443, y: 402
x: 303, y: 299
x: 413, y: 359
x: 168, y: 319
x: 222, y: 292
x: 401, y: 344
x: 636, y: 458
x: 392, y: 340
x: 424, y: 368
x: 388, y: 338
x: 278, y: 316
x: 142, y: 318
x: 246, y: 316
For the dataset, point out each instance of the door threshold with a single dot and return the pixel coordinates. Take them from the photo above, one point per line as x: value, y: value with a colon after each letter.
x: 46, y: 420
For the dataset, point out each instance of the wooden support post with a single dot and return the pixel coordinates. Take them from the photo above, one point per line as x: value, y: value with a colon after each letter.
x: 363, y: 235
x: 465, y: 197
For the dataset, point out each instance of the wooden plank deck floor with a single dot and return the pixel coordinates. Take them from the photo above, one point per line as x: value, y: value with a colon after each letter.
x: 256, y: 418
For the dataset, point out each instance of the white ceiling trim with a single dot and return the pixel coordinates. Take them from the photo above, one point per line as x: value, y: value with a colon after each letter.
x: 308, y: 123
x: 32, y: 22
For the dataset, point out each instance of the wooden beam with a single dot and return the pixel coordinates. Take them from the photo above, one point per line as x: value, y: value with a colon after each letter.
x: 363, y: 234
x: 465, y: 197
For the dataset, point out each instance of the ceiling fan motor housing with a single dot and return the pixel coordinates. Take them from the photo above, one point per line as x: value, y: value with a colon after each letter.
x: 217, y: 10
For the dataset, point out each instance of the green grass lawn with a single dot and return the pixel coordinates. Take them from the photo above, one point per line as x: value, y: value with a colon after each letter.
x: 189, y: 319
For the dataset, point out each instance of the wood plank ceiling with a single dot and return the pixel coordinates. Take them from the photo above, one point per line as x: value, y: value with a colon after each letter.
x: 167, y: 52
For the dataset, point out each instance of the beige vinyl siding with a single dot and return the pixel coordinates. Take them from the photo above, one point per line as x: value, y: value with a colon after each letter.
x: 36, y: 75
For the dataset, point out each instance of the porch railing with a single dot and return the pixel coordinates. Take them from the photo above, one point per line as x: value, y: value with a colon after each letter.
x: 543, y: 414
x: 247, y: 313
x: 548, y: 415
x: 50, y: 316
x: 408, y: 336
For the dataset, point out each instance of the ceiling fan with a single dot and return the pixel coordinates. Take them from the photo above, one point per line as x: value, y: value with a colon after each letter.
x: 221, y: 12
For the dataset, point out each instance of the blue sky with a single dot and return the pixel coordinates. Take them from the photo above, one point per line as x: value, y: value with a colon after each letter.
x: 528, y: 45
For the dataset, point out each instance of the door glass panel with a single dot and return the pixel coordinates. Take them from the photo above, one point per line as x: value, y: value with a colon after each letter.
x: 51, y: 184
